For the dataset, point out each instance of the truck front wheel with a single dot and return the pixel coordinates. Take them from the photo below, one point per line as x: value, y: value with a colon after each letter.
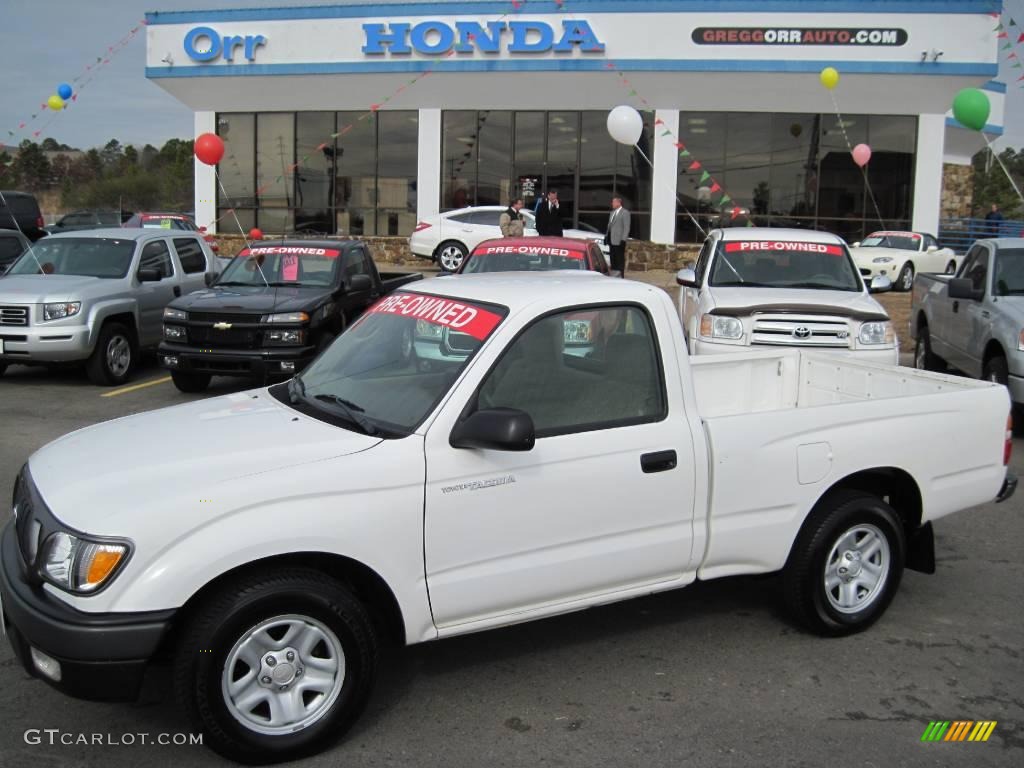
x: 111, y: 361
x: 276, y: 666
x: 190, y: 382
x: 846, y: 564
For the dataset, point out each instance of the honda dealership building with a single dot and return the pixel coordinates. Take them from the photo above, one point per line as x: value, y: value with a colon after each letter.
x: 363, y: 118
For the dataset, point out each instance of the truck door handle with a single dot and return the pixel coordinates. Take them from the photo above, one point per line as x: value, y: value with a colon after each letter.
x: 956, y: 306
x: 984, y: 313
x: 177, y: 290
x: 659, y: 461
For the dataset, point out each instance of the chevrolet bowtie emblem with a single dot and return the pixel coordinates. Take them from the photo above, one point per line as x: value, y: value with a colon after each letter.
x: 222, y: 326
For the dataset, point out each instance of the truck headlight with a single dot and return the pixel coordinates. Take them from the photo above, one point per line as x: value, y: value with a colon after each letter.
x: 877, y: 333
x: 286, y: 317
x: 175, y: 333
x: 61, y: 309
x: 882, y: 260
x: 175, y: 314
x: 285, y: 337
x: 720, y: 327
x: 76, y: 564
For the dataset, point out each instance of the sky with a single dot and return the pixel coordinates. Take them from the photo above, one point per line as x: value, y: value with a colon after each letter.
x: 46, y: 42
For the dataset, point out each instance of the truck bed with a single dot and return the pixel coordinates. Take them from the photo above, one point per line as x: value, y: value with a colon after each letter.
x: 389, y: 281
x: 730, y: 385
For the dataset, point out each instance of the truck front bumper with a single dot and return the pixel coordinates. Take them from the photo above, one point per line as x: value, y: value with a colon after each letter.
x: 888, y: 356
x: 42, y: 344
x: 102, y: 657
x: 257, y: 363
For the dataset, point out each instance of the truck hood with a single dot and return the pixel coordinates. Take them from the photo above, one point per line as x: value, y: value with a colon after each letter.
x: 99, y: 478
x: 37, y: 289
x: 253, y: 299
x: 745, y: 301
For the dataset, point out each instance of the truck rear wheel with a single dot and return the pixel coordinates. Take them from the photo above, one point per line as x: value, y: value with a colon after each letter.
x: 112, y: 360
x: 846, y: 564
x: 190, y: 382
x: 276, y: 665
x: 924, y: 358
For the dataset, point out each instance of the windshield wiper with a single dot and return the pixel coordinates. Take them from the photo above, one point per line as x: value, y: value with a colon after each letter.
x: 281, y: 283
x: 233, y: 282
x: 351, y: 410
x: 824, y: 286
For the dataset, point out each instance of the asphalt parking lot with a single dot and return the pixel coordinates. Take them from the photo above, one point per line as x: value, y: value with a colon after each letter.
x: 712, y: 675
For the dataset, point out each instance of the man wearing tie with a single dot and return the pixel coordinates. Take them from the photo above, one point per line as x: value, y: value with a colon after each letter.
x: 549, y: 218
x: 616, y: 235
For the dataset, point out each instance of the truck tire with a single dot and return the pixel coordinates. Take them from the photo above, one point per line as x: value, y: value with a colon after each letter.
x: 450, y: 255
x: 112, y: 360
x: 997, y: 371
x: 3, y: 368
x: 905, y: 281
x: 275, y: 665
x: 189, y: 382
x: 846, y: 564
x: 924, y: 358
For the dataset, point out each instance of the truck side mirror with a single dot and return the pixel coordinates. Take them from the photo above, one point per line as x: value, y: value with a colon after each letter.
x: 360, y: 283
x: 880, y: 284
x: 149, y: 276
x: 687, y: 277
x: 496, y: 429
x: 963, y: 288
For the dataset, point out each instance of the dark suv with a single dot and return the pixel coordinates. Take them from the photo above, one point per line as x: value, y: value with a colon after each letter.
x: 20, y: 210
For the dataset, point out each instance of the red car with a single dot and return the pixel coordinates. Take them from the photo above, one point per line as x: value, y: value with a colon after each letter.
x: 534, y: 254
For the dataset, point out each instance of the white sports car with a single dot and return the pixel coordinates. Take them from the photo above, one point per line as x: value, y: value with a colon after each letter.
x: 898, y: 255
x: 448, y: 237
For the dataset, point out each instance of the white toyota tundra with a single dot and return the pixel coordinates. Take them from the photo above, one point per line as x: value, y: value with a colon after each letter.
x: 274, y: 536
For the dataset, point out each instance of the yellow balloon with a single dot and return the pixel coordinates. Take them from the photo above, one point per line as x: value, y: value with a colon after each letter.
x: 55, y: 102
x: 829, y: 77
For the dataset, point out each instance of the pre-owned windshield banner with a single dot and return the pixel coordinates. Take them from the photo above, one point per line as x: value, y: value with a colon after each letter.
x: 799, y: 36
x: 289, y: 250
x: 782, y: 245
x: 460, y: 316
x: 530, y: 250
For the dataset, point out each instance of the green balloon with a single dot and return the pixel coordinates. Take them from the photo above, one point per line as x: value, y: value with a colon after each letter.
x: 971, y: 108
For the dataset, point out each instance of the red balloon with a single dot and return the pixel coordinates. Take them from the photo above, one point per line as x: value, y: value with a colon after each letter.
x: 209, y: 148
x: 255, y: 234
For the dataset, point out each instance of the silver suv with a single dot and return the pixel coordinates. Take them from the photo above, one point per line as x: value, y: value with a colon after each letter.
x: 97, y: 297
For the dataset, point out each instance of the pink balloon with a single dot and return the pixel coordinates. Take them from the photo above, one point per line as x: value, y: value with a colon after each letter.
x: 861, y: 154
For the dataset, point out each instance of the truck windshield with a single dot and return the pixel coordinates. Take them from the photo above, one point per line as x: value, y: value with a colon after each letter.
x: 1009, y: 276
x: 85, y: 256
x: 784, y: 264
x: 371, y: 378
x: 282, y: 265
x: 903, y: 241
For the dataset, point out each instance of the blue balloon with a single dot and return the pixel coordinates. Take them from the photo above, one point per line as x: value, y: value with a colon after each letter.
x: 64, y: 91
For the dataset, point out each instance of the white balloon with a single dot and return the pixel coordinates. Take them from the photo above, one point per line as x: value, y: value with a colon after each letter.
x: 625, y: 125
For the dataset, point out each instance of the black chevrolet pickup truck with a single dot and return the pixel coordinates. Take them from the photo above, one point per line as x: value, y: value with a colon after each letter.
x: 274, y: 308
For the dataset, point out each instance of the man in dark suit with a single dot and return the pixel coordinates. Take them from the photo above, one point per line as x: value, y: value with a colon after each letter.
x: 549, y: 218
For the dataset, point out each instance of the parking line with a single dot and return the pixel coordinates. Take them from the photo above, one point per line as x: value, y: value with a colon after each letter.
x: 133, y: 387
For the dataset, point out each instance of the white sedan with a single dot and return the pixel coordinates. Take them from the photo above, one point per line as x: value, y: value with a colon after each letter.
x: 898, y: 255
x: 448, y: 237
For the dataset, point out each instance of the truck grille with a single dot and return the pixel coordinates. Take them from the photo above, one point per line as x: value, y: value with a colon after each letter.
x: 800, y: 330
x: 13, y: 315
x: 222, y: 317
x: 231, y: 338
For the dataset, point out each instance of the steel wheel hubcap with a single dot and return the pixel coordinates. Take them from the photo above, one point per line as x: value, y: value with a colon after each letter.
x: 119, y: 355
x: 283, y: 675
x: 856, y: 569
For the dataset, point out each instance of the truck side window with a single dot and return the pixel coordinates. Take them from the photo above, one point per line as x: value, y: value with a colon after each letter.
x: 155, y: 255
x: 703, y: 259
x: 580, y: 371
x: 975, y: 267
x: 190, y: 254
x: 355, y: 264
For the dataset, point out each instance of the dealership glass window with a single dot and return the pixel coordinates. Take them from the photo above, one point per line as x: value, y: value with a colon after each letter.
x: 237, y: 169
x: 355, y: 174
x: 494, y: 147
x: 459, y: 131
x: 275, y: 156
x: 893, y: 142
x: 560, y: 169
x: 842, y: 196
x: 397, y: 145
x: 529, y: 156
x: 314, y: 174
x: 793, y: 176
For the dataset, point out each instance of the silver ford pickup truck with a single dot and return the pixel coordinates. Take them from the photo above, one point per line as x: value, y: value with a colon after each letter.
x: 974, y: 321
x: 97, y: 297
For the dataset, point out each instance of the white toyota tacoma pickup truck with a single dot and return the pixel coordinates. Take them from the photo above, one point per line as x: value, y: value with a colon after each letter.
x: 278, y: 534
x: 765, y: 287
